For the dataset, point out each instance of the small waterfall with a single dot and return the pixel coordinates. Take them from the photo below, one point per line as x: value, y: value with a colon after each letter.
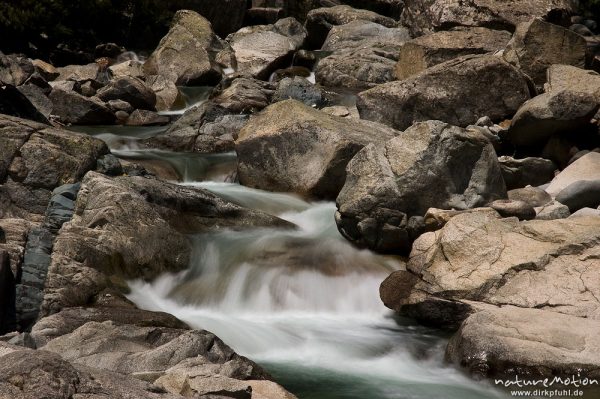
x: 305, y: 304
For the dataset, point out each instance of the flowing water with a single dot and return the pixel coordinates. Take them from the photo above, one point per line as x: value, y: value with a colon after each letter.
x: 301, y: 302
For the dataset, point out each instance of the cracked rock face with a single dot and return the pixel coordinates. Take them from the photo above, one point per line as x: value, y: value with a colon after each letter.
x: 422, y: 16
x: 390, y: 187
x: 261, y: 49
x: 190, y: 53
x: 292, y: 147
x: 426, y: 51
x: 497, y: 341
x: 542, y: 264
x: 36, y: 158
x: 133, y: 227
x: 456, y: 92
x: 537, y: 44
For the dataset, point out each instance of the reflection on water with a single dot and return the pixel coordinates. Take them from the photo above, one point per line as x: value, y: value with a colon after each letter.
x: 304, y: 303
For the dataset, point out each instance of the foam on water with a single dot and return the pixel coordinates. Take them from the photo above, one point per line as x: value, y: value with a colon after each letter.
x: 305, y: 303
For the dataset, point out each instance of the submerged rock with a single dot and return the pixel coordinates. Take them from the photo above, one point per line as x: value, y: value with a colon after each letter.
x: 292, y: 147
x: 390, y: 187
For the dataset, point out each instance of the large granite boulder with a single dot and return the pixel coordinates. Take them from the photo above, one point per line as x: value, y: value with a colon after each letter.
x: 261, y: 49
x: 292, y: 147
x: 536, y: 45
x: 478, y: 256
x: 133, y: 227
x: 528, y: 171
x: 359, y: 68
x: 130, y: 89
x: 36, y: 158
x: 390, y: 187
x: 71, y: 107
x: 207, y: 128
x: 426, y: 51
x: 567, y: 107
x: 456, y: 92
x: 27, y: 374
x: 361, y: 33
x: 586, y: 168
x: 320, y: 21
x: 190, y: 53
x: 422, y: 16
x: 538, y: 343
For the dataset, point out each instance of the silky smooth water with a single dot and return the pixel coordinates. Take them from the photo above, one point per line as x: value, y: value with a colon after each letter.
x: 304, y: 303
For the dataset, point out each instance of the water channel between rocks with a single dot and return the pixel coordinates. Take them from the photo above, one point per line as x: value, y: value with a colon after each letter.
x: 303, y: 303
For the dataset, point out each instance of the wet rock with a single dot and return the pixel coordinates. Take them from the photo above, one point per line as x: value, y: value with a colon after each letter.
x: 320, y: 21
x: 580, y: 194
x: 142, y: 117
x: 586, y: 168
x: 537, y: 44
x: 129, y: 89
x: 73, y: 108
x: 261, y: 49
x: 292, y: 147
x: 524, y: 172
x: 206, y: 128
x: 426, y: 51
x: 244, y: 95
x: 361, y: 33
x: 109, y: 165
x: 219, y: 135
x: 133, y: 227
x: 190, y: 54
x: 422, y: 16
x: 390, y: 187
x: 479, y: 257
x: 463, y: 81
x: 513, y: 208
x: 540, y: 343
x: 360, y: 68
x: 299, y: 89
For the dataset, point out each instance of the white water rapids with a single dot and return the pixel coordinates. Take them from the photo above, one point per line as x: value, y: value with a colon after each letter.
x: 304, y: 303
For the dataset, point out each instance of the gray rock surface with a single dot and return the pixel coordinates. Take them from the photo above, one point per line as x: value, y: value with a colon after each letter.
x: 435, y: 93
x: 426, y: 51
x: 261, y: 49
x: 292, y: 147
x: 190, y: 53
x: 390, y: 187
